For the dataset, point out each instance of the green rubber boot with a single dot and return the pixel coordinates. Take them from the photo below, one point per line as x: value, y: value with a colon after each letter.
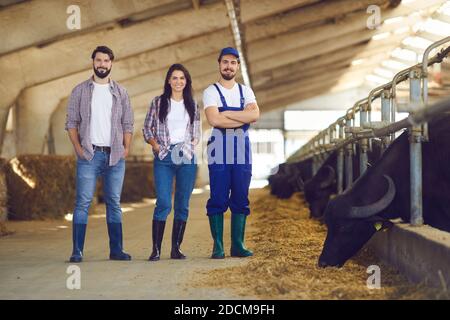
x: 238, y: 248
x: 216, y: 225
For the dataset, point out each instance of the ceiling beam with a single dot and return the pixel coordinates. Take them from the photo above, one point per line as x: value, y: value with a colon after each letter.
x: 317, y: 34
x: 15, y: 81
x: 322, y: 11
x: 42, y: 21
x: 30, y: 66
x: 149, y: 61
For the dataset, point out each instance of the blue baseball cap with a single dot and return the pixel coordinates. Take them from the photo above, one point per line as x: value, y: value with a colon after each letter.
x: 228, y: 50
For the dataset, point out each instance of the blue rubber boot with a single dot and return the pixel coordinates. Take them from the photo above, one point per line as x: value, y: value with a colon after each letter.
x: 116, y: 243
x: 78, y: 236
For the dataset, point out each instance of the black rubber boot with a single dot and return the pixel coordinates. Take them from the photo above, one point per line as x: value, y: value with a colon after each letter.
x: 216, y: 225
x: 238, y: 248
x: 78, y: 236
x: 116, y: 243
x: 157, y: 236
x: 177, y: 237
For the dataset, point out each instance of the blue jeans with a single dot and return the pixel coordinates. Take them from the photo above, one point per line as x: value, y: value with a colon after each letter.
x: 164, y: 172
x: 87, y: 174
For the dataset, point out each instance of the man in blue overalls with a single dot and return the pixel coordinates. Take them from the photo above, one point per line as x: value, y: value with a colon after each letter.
x: 229, y: 107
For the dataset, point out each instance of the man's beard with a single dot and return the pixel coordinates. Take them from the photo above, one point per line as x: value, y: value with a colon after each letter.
x: 102, y: 74
x: 228, y: 76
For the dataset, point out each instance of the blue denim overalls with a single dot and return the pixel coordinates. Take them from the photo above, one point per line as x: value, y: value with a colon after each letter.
x: 231, y: 172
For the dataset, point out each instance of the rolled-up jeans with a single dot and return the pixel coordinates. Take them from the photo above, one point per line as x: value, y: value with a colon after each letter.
x: 87, y: 174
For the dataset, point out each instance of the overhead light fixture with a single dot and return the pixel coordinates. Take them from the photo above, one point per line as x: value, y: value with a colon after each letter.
x: 436, y: 27
x: 383, y: 73
x: 394, y: 20
x: 417, y: 42
x: 381, y: 36
x: 402, y: 30
x: 375, y: 79
x: 357, y: 62
x: 392, y: 64
x: 404, y: 54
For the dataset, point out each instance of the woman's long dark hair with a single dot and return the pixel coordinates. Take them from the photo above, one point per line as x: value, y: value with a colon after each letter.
x: 187, y: 94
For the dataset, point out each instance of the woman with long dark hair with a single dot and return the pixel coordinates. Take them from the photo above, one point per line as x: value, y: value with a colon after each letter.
x: 172, y: 128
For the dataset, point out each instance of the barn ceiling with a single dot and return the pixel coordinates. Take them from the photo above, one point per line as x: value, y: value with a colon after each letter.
x: 295, y: 49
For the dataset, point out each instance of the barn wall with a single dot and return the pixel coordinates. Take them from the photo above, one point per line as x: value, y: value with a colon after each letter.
x: 421, y: 253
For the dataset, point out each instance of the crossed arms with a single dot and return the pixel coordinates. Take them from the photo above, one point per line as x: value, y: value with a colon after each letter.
x: 232, y: 119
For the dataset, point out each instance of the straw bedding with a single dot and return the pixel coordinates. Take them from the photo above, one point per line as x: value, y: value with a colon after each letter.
x: 287, y: 245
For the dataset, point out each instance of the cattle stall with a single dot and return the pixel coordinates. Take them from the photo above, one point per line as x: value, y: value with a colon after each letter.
x: 345, y: 149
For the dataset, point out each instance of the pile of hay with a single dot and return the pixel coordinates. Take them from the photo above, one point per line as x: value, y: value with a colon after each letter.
x: 43, y: 186
x: 287, y: 245
x: 138, y: 182
x: 40, y: 187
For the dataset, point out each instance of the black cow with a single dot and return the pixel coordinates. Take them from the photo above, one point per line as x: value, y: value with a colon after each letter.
x: 290, y: 178
x: 319, y: 189
x: 278, y: 180
x: 300, y: 172
x: 383, y: 193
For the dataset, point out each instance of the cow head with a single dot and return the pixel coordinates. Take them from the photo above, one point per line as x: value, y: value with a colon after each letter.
x: 318, y: 191
x: 350, y: 227
x: 295, y: 180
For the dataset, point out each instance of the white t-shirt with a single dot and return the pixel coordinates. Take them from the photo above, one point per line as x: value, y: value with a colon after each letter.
x: 101, y: 115
x: 177, y: 121
x: 211, y: 96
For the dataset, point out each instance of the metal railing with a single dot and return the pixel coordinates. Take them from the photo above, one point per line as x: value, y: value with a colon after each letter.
x: 327, y: 141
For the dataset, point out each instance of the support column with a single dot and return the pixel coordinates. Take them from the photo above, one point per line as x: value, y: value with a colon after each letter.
x: 415, y: 144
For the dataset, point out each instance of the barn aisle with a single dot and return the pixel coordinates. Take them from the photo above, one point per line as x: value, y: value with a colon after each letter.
x: 33, y: 260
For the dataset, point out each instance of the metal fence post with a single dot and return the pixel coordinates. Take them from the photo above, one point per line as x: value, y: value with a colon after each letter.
x: 364, y: 143
x: 386, y: 100
x: 314, y: 164
x: 415, y: 143
x: 340, y: 161
x: 348, y: 157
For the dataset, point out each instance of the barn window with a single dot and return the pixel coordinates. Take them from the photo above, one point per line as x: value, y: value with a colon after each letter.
x: 300, y: 120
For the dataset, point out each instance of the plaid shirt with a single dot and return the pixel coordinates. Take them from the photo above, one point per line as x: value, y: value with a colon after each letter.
x: 79, y: 116
x: 154, y: 129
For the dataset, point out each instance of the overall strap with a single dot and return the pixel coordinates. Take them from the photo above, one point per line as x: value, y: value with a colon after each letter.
x: 241, y: 96
x: 222, y: 98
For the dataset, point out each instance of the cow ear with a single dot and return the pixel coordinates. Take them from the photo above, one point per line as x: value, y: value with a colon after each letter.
x: 380, y: 223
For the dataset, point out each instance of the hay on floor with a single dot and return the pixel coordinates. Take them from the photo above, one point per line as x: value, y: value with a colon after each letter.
x: 287, y: 245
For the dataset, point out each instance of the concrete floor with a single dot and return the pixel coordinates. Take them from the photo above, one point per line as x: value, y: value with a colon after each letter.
x: 33, y: 261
